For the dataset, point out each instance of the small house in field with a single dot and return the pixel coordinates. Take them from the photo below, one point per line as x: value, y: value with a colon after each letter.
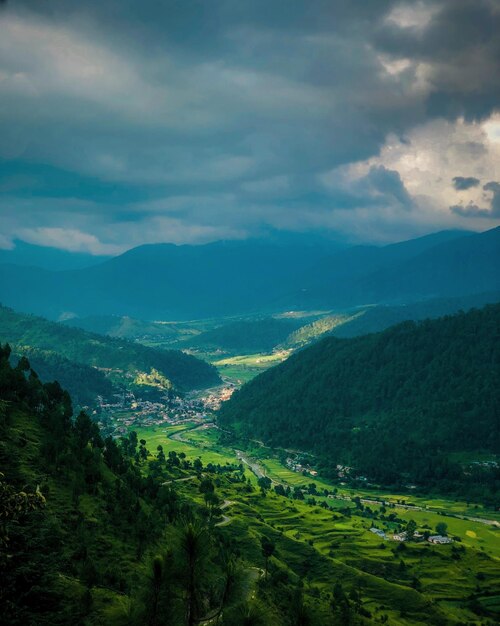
x: 377, y: 531
x: 400, y: 537
x: 439, y: 539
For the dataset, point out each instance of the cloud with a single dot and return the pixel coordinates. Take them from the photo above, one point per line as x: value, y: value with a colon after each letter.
x: 470, y: 210
x: 494, y: 188
x: 129, y: 121
x: 473, y: 210
x: 461, y: 183
x: 388, y: 182
x: 68, y: 239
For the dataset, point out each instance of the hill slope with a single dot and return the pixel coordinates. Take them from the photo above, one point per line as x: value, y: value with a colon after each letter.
x: 245, y: 336
x: 392, y: 404
x: 378, y: 318
x: 84, y: 383
x: 184, y: 371
x: 85, y: 537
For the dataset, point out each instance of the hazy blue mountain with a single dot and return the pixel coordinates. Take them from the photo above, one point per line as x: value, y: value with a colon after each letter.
x: 453, y: 268
x: 377, y: 318
x: 447, y: 264
x: 166, y: 281
x: 48, y: 258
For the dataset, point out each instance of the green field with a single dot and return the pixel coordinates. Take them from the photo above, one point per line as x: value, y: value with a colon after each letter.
x: 320, y: 546
x: 243, y: 368
x: 203, y: 443
x: 411, y: 583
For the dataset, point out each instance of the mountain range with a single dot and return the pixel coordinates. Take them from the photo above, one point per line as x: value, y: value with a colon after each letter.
x: 165, y: 281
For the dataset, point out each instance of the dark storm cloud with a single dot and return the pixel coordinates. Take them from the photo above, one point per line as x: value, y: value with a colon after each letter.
x: 473, y: 210
x: 494, y: 187
x: 470, y: 210
x: 389, y: 182
x: 461, y: 183
x: 462, y: 47
x: 194, y: 119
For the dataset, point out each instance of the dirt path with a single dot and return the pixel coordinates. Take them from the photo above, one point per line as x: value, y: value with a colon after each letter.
x: 178, y: 480
x: 225, y: 518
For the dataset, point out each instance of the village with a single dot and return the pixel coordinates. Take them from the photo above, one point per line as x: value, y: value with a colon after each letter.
x: 416, y: 536
x: 126, y: 410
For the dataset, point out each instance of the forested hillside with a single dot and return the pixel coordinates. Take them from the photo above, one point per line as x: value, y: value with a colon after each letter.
x: 184, y: 371
x: 393, y: 405
x: 84, y: 383
x: 130, y: 328
x: 377, y: 318
x: 245, y: 336
x: 87, y: 538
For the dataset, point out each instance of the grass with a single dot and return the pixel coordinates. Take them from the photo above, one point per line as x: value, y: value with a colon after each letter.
x: 243, y: 368
x: 203, y: 443
x: 320, y: 546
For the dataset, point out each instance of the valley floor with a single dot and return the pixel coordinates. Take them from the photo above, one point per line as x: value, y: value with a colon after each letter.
x: 326, y: 536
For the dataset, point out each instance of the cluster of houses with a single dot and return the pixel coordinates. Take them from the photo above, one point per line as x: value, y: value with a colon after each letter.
x: 403, y: 536
x: 216, y: 397
x: 293, y: 465
x: 125, y: 410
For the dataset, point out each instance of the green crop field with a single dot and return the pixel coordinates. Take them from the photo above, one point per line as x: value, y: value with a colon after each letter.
x: 243, y: 368
x: 411, y: 583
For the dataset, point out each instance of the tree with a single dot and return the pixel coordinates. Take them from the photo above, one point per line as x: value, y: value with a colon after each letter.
x: 264, y: 483
x: 411, y: 527
x: 14, y: 505
x: 442, y: 528
x: 161, y: 455
x: 280, y: 490
x: 212, y: 502
x: 194, y: 552
x: 268, y: 549
x: 207, y: 486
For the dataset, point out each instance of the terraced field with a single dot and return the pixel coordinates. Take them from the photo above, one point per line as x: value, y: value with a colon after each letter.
x: 411, y: 583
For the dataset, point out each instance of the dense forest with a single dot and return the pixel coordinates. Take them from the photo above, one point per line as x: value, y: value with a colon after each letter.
x: 104, y: 531
x: 84, y: 383
x: 184, y: 371
x: 393, y: 405
x: 92, y: 533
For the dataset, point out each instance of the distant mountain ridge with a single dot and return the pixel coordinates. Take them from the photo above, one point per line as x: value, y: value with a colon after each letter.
x: 184, y: 371
x: 48, y: 258
x: 165, y: 281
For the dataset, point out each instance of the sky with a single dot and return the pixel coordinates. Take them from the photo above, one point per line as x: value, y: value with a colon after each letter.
x: 125, y: 122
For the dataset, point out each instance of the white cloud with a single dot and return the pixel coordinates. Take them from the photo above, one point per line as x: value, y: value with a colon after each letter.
x: 68, y: 239
x: 412, y: 15
x: 426, y: 159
